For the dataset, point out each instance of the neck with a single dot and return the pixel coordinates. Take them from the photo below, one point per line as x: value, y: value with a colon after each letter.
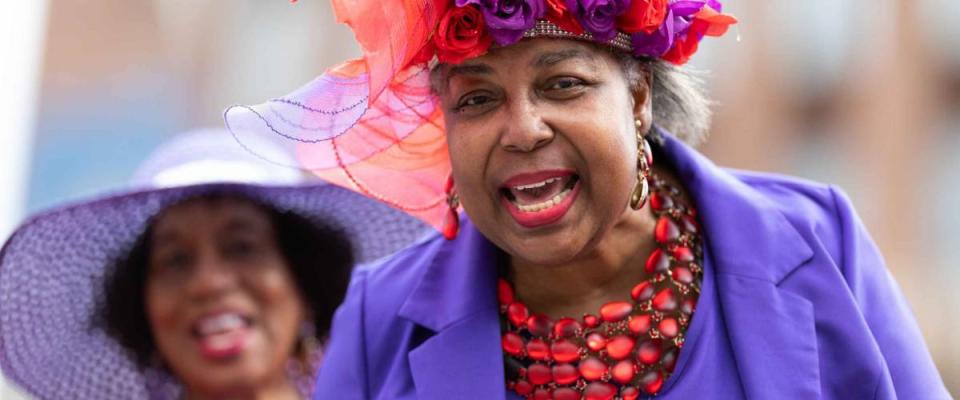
x: 281, y: 388
x: 606, y: 273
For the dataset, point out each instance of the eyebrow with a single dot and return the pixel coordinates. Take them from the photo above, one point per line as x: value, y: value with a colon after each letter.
x: 469, y: 69
x: 553, y: 57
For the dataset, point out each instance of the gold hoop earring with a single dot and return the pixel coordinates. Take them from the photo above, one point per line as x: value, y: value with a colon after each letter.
x: 644, y: 161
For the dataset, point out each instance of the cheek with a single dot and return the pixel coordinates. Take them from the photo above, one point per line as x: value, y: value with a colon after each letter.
x: 162, y: 307
x: 280, y: 303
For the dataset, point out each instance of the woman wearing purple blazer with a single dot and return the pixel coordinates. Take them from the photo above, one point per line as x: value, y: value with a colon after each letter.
x: 601, y: 256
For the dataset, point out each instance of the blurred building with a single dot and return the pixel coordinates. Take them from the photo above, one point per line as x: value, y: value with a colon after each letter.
x: 863, y: 94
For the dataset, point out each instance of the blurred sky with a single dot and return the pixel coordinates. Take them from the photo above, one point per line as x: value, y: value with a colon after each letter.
x: 863, y: 94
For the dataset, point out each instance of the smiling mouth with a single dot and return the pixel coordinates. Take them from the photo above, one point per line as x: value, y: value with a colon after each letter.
x: 539, y: 196
x: 222, y: 335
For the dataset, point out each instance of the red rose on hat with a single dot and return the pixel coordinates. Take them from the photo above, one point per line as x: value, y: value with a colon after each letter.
x: 460, y: 35
x: 643, y: 16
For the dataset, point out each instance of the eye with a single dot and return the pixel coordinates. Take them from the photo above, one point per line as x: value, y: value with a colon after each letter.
x: 240, y: 249
x: 474, y: 102
x: 565, y: 83
x: 173, y: 261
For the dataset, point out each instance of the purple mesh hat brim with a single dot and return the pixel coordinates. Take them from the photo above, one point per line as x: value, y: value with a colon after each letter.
x: 52, y: 272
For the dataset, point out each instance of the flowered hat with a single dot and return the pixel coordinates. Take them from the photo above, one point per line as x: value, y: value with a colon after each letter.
x: 373, y: 124
x: 52, y: 269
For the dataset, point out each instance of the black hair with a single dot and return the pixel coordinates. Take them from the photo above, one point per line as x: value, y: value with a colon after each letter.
x: 319, y: 255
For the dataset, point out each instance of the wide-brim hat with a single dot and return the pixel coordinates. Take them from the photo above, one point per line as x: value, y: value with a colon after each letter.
x: 53, y: 267
x: 374, y: 125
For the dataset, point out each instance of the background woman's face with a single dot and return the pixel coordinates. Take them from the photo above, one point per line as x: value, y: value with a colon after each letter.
x: 220, y: 298
x: 543, y: 145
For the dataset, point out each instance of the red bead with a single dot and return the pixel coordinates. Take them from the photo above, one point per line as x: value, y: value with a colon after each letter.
x: 522, y: 387
x: 596, y: 341
x: 512, y: 343
x: 565, y: 374
x: 665, y: 300
x: 615, y: 311
x: 688, y: 305
x: 669, y: 328
x: 620, y: 347
x: 539, y: 374
x: 591, y: 321
x: 640, y: 324
x: 504, y: 292
x: 566, y: 327
x: 565, y: 393
x: 629, y: 393
x: 690, y: 224
x: 683, y: 253
x: 670, y: 359
x: 623, y: 371
x: 592, y: 369
x: 542, y: 394
x: 537, y: 349
x: 660, y: 202
x: 649, y: 351
x: 666, y: 230
x: 564, y: 351
x: 651, y: 382
x: 657, y: 262
x: 517, y: 313
x: 599, y: 391
x: 682, y: 275
x: 539, y: 325
x: 451, y: 225
x: 642, y: 292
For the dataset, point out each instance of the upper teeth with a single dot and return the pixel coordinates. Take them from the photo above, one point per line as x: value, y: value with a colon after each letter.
x: 220, y: 323
x: 536, y: 185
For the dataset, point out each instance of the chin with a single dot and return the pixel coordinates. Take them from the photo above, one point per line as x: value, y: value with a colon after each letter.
x: 547, y: 249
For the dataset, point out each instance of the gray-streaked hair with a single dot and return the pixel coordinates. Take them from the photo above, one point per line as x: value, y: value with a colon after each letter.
x: 680, y: 103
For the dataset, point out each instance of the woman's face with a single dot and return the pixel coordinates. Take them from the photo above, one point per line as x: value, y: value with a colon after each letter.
x: 221, y: 301
x: 543, y: 144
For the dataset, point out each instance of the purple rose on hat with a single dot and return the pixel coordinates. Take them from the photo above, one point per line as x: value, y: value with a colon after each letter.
x: 679, y: 16
x: 508, y: 19
x: 599, y: 16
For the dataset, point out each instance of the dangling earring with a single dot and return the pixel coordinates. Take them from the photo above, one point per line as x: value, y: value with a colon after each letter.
x: 302, y: 367
x: 644, y: 161
x: 451, y: 223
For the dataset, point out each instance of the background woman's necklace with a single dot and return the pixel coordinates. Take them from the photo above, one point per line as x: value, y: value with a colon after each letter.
x: 629, y: 347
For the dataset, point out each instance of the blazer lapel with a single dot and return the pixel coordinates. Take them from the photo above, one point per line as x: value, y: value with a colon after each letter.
x: 456, y: 300
x: 753, y: 248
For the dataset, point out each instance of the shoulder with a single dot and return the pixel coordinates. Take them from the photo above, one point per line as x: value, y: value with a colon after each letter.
x: 822, y: 213
x: 810, y: 206
x: 393, y: 278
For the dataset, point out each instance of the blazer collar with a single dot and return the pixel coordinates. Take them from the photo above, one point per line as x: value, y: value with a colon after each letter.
x: 749, y: 236
x: 753, y: 248
x: 456, y: 299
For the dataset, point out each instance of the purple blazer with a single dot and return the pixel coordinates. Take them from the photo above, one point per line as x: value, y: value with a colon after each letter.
x: 802, y: 302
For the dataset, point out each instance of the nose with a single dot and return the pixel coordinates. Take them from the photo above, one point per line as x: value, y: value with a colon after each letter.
x: 212, y: 277
x: 524, y: 129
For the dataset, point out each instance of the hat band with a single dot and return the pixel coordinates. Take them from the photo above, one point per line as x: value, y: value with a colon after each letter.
x: 545, y: 28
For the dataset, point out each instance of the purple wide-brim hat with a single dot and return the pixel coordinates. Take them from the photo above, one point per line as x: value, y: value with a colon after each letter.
x: 53, y: 268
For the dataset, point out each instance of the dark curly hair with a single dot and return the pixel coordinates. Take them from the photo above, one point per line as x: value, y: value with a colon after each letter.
x: 320, y: 258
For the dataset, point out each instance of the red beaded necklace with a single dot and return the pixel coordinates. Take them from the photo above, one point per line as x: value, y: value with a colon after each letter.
x: 627, y: 349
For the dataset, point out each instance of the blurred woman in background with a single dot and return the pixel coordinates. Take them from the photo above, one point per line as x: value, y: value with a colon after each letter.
x: 215, y: 277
